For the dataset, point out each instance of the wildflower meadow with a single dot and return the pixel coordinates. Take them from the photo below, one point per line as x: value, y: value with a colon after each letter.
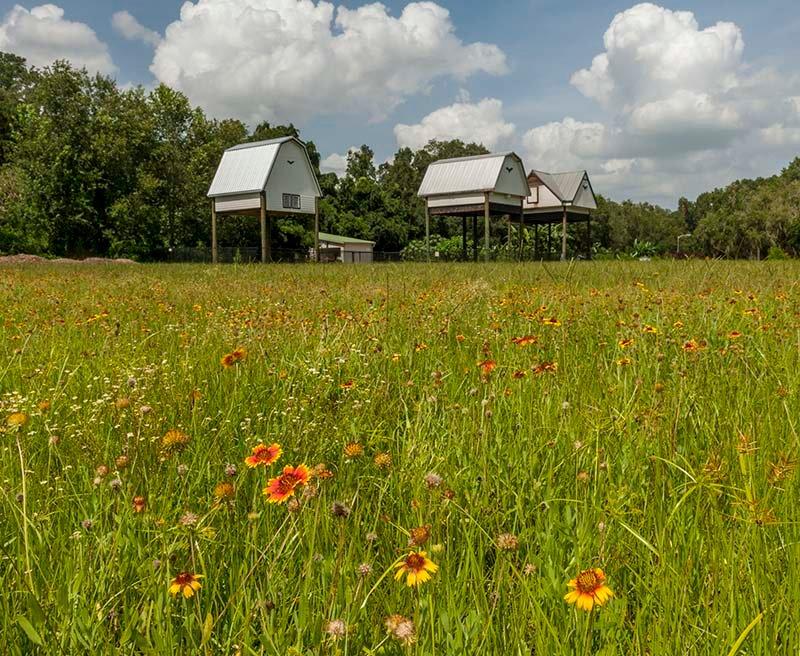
x: 586, y: 458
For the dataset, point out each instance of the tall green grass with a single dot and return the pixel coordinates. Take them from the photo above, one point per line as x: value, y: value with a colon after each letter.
x: 672, y: 469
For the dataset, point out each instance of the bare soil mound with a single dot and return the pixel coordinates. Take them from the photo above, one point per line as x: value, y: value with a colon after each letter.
x: 35, y: 259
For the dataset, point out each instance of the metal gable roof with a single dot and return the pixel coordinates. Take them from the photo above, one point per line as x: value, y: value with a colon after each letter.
x: 569, y: 183
x: 565, y: 186
x: 338, y: 239
x: 479, y: 173
x: 245, y: 168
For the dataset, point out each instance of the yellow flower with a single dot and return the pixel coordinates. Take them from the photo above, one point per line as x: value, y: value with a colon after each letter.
x: 185, y: 583
x: 417, y: 568
x: 353, y: 450
x: 173, y: 441
x: 589, y: 588
x: 16, y: 420
x: 224, y: 490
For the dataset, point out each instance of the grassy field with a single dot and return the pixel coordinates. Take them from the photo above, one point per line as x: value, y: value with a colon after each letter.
x: 518, y: 424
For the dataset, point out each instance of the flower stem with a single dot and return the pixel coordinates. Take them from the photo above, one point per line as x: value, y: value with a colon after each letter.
x: 587, y: 647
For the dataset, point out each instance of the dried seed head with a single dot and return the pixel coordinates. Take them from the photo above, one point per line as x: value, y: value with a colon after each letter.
x: 507, y: 542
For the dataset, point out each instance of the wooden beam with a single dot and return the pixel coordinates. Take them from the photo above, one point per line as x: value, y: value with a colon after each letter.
x: 264, y: 237
x: 214, y: 255
x: 464, y: 237
x: 564, y: 237
x: 427, y: 231
x: 589, y: 238
x: 316, y: 229
x: 475, y: 238
x: 521, y: 229
x: 487, y: 213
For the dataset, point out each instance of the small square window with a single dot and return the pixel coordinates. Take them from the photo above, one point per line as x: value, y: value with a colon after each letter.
x: 534, y: 197
x: 291, y: 201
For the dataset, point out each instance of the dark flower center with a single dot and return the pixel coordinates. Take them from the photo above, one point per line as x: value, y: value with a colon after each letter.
x: 415, y: 562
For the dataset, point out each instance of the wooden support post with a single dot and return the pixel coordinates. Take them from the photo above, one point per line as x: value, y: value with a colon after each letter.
x: 316, y: 229
x: 564, y: 237
x: 214, y: 255
x: 486, y: 215
x: 427, y: 230
x: 589, y: 237
x: 521, y: 230
x: 265, y: 255
x: 464, y: 237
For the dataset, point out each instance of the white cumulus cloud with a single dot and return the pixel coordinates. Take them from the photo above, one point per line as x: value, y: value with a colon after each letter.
x: 42, y: 35
x: 564, y: 145
x: 127, y: 26
x: 336, y: 162
x: 480, y: 122
x: 292, y: 59
x: 651, y: 52
x: 684, y: 111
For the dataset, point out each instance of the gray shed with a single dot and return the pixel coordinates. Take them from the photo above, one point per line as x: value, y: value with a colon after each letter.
x: 265, y: 179
x: 560, y: 198
x: 484, y: 185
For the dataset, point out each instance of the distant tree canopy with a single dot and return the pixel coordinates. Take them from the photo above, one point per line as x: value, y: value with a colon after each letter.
x: 87, y: 167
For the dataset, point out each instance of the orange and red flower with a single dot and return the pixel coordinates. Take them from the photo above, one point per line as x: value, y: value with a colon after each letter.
x: 280, y: 488
x: 487, y: 366
x: 527, y: 340
x: 589, y: 588
x: 263, y: 455
x: 233, y: 358
x: 417, y: 568
x: 185, y: 583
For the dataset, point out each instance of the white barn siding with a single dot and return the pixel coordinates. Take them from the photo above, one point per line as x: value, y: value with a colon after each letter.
x: 585, y: 198
x: 296, y: 178
x: 238, y: 203
x: 504, y: 199
x: 512, y: 182
x: 448, y: 201
x: 546, y: 199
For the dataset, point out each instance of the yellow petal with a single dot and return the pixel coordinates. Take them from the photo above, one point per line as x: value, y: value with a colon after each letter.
x: 412, y: 579
x: 174, y: 589
x: 187, y: 591
x: 572, y: 597
x: 573, y: 583
x: 399, y: 574
x: 585, y: 602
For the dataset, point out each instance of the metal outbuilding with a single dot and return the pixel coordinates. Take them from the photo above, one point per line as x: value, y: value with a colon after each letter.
x: 560, y: 198
x: 483, y: 185
x: 346, y: 249
x: 265, y: 179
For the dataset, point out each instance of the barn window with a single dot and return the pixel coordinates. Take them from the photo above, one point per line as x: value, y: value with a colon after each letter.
x: 291, y: 201
x: 534, y: 197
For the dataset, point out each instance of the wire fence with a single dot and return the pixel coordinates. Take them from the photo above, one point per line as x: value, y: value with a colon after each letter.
x: 252, y: 255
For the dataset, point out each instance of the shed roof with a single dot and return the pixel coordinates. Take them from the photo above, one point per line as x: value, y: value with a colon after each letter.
x: 479, y: 173
x: 338, y: 239
x: 565, y: 186
x: 245, y: 168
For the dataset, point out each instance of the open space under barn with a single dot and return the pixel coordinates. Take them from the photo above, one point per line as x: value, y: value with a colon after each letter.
x: 519, y: 424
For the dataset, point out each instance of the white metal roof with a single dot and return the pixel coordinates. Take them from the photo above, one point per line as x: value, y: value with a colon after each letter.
x: 467, y: 174
x: 245, y: 168
x: 564, y: 186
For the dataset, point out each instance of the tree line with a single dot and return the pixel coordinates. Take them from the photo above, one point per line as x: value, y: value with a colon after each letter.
x: 88, y: 167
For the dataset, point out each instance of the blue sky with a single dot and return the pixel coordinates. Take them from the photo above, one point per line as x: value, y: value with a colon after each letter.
x: 733, y: 108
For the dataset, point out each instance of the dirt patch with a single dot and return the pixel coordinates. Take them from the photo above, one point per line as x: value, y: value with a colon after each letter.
x: 35, y: 259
